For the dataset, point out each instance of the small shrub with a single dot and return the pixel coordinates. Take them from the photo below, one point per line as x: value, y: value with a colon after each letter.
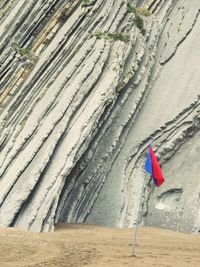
x: 23, y: 51
x: 136, y: 11
x: 119, y: 36
x: 86, y: 2
x: 143, y: 11
x: 131, y: 8
x: 98, y: 34
x: 139, y: 22
x: 114, y: 36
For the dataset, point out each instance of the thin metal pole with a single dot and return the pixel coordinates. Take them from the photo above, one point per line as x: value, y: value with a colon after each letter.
x: 138, y: 219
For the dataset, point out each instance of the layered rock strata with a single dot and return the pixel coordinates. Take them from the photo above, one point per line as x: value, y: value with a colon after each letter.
x: 86, y: 86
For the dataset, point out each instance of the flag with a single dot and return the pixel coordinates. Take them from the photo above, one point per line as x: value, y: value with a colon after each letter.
x: 153, y: 168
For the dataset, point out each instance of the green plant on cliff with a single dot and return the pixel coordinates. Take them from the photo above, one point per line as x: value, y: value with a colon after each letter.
x: 143, y: 11
x: 87, y: 2
x: 131, y: 8
x: 116, y: 36
x: 23, y: 51
x: 119, y: 36
x: 138, y: 12
x: 98, y: 34
x: 139, y: 22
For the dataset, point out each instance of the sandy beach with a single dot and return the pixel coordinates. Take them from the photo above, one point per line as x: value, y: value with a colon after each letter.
x: 95, y: 246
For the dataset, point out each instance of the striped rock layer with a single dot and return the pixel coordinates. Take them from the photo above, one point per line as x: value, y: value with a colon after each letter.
x: 85, y: 87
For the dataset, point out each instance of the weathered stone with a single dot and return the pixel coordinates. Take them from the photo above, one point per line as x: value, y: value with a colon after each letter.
x: 84, y: 91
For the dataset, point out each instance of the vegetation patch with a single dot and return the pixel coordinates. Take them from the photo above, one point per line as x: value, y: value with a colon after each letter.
x: 143, y: 11
x: 139, y: 22
x: 23, y: 52
x: 98, y: 34
x: 119, y: 36
x: 116, y: 36
x: 138, y: 12
x: 87, y: 2
x: 131, y: 8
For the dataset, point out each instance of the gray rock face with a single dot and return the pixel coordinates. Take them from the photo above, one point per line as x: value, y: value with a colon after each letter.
x: 86, y: 86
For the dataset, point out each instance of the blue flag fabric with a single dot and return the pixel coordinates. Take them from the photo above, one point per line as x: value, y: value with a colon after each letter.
x: 148, y: 164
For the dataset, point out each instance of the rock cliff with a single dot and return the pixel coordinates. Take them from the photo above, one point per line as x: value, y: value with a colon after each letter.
x: 86, y: 86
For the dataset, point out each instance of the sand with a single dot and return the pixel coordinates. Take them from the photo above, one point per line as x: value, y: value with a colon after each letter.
x: 95, y: 246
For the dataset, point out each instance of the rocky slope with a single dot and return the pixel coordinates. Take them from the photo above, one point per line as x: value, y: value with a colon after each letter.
x: 86, y: 86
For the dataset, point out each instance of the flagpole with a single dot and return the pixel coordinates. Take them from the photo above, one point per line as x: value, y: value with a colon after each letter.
x: 138, y: 218
x: 152, y: 167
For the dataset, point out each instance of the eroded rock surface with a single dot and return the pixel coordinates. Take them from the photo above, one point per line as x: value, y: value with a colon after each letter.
x: 86, y: 86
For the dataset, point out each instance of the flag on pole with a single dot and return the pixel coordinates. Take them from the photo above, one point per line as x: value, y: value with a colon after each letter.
x: 153, y: 168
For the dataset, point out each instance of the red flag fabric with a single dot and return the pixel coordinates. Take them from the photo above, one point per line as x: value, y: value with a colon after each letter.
x: 157, y: 172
